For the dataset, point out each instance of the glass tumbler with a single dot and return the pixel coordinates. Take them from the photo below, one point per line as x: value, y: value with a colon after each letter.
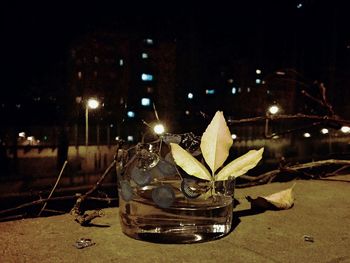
x: 159, y: 202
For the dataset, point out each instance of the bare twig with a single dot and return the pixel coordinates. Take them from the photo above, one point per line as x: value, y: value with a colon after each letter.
x: 298, y: 116
x: 37, y: 202
x: 269, y: 176
x: 80, y: 216
x: 53, y: 189
x: 59, y: 198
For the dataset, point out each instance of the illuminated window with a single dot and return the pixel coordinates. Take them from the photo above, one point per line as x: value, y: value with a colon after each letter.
x: 190, y: 95
x: 324, y: 131
x: 239, y: 90
x: 131, y: 114
x: 121, y: 62
x: 210, y: 91
x: 307, y: 135
x: 144, y: 55
x: 345, y: 129
x: 234, y: 90
x: 80, y: 74
x: 146, y: 77
x: 130, y: 138
x: 149, y: 41
x: 258, y: 81
x: 145, y: 102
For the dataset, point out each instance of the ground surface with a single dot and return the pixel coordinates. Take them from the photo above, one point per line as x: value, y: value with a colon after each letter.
x: 321, y: 210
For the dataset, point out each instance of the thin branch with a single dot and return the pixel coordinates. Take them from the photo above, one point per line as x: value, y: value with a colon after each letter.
x: 288, y: 117
x: 59, y: 198
x: 266, y: 177
x: 80, y: 216
x: 53, y: 189
x: 37, y: 202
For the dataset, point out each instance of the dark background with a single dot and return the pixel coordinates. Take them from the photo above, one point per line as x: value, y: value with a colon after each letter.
x: 313, y: 39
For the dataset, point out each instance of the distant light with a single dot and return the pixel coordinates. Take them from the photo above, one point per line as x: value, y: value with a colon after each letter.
x: 300, y: 5
x: 234, y: 136
x: 144, y: 55
x: 117, y: 138
x: 18, y: 106
x: 187, y: 112
x: 80, y: 74
x: 149, y: 41
x: 268, y: 91
x: 145, y: 102
x: 345, y: 129
x: 190, y: 95
x: 234, y: 90
x: 111, y: 125
x: 273, y: 109
x: 149, y: 89
x: 275, y: 137
x: 324, y: 131
x: 281, y: 73
x: 146, y: 77
x: 248, y: 89
x: 131, y: 114
x: 93, y: 103
x: 258, y: 81
x: 258, y: 71
x: 130, y: 138
x: 307, y: 135
x: 22, y: 134
x: 121, y: 62
x: 159, y: 129
x: 210, y: 91
x: 230, y: 81
x: 30, y: 138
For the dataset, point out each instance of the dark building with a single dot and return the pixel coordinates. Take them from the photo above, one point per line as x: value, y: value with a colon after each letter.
x: 128, y: 74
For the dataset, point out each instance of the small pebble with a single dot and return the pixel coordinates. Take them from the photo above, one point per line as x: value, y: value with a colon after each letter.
x: 308, y: 238
x: 83, y: 243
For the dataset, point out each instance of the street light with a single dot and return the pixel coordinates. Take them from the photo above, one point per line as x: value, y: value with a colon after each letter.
x: 159, y: 129
x: 91, y: 103
x: 274, y: 109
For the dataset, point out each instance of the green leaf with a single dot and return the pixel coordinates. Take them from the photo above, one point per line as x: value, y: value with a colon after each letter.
x: 240, y: 165
x: 188, y: 163
x: 216, y: 142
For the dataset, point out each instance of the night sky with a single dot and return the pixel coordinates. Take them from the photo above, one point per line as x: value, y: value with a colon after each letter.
x: 36, y: 37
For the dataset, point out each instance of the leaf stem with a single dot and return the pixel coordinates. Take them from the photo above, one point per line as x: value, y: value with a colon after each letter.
x: 212, y: 184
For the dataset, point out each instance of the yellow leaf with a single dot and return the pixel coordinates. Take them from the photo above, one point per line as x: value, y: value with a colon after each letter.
x: 280, y: 200
x: 216, y: 142
x: 240, y: 165
x: 283, y: 199
x: 188, y: 163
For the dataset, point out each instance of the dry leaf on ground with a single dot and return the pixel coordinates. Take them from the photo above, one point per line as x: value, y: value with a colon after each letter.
x: 277, y: 201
